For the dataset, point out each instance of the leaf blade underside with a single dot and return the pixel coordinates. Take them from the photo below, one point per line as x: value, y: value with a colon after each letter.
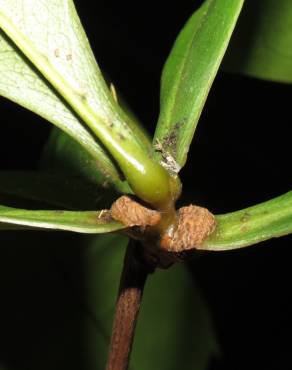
x: 89, y: 222
x: 56, y: 43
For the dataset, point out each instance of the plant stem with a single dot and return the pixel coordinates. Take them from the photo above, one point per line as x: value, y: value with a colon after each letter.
x: 133, y: 278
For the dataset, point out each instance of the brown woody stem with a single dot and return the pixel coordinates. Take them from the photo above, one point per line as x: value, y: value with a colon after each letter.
x: 133, y: 279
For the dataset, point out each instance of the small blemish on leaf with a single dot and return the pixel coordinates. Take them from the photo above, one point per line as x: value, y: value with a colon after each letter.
x: 170, y: 140
x: 83, y: 97
x: 245, y: 217
x: 168, y: 161
x: 57, y: 53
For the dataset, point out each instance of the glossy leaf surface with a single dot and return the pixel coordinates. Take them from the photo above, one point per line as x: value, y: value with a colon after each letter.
x: 23, y: 84
x: 189, y: 72
x: 252, y: 225
x: 261, y: 44
x: 57, y: 46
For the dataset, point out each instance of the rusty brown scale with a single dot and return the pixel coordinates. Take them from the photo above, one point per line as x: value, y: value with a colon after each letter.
x: 193, y: 224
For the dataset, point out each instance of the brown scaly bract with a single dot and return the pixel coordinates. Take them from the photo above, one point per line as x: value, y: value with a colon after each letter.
x: 194, y: 224
x: 131, y: 213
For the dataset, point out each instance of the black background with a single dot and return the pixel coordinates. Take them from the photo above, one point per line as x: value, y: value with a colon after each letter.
x: 240, y: 156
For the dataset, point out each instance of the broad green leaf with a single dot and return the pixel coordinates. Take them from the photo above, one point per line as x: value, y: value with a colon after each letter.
x: 252, y: 225
x: 261, y: 44
x: 50, y: 35
x: 67, y: 285
x: 171, y: 302
x: 56, y: 190
x: 81, y: 222
x: 23, y: 84
x: 188, y: 75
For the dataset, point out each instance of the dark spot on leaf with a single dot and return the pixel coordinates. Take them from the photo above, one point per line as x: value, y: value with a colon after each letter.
x: 244, y: 229
x: 245, y: 217
x: 169, y: 142
x: 83, y: 97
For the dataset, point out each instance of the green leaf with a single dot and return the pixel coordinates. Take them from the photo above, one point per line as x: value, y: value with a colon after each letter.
x: 81, y: 222
x: 261, y: 44
x: 64, y: 156
x: 252, y: 225
x: 56, y: 190
x: 23, y: 84
x: 171, y: 302
x: 52, y: 38
x: 68, y: 288
x: 188, y: 75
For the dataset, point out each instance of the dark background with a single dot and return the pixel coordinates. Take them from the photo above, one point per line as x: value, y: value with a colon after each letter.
x: 240, y: 156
